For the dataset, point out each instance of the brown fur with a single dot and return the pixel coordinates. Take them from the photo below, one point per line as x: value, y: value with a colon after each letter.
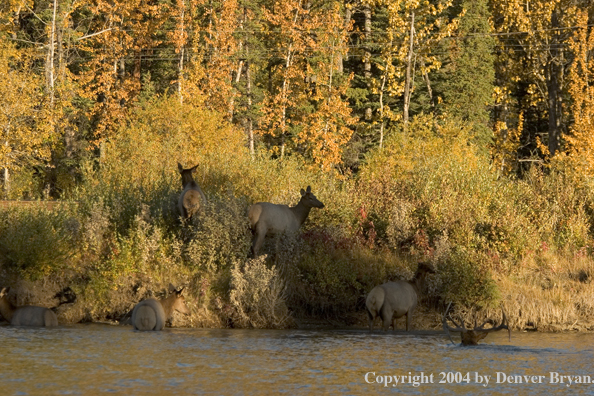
x: 151, y: 314
x: 392, y: 300
x: 272, y: 219
x: 25, y: 315
x: 191, y: 199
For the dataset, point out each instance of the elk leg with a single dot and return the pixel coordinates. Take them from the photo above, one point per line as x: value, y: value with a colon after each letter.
x: 371, y: 319
x: 408, y: 316
x: 387, y: 315
x: 258, y: 240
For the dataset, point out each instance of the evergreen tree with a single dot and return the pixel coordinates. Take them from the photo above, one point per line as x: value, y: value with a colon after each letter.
x: 465, y: 82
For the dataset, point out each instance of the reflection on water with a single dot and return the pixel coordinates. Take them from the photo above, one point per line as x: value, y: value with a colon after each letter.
x: 96, y: 359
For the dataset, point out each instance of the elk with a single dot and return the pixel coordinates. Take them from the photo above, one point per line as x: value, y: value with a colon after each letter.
x: 472, y: 336
x: 272, y: 219
x: 27, y: 315
x: 192, y: 198
x: 151, y: 314
x: 392, y: 300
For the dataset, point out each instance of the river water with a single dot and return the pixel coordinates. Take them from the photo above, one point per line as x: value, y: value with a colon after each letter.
x: 101, y: 359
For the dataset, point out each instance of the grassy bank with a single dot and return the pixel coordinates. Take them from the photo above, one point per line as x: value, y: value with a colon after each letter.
x: 521, y: 244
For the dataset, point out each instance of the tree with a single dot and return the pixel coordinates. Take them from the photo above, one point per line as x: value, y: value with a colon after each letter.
x: 25, y: 134
x: 305, y: 108
x: 533, y: 39
x: 465, y: 82
x: 580, y: 139
x: 214, y: 58
x: 414, y: 29
x: 327, y: 128
x: 110, y: 75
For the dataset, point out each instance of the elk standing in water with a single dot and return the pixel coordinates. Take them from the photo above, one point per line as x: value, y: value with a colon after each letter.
x: 27, y: 315
x: 267, y: 218
x: 151, y: 314
x: 393, y: 300
x: 192, y: 198
x: 473, y: 336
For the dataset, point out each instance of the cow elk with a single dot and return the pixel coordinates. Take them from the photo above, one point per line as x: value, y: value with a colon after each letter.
x: 192, y: 198
x: 27, y: 315
x: 272, y: 219
x: 151, y: 314
x: 472, y: 336
x: 392, y: 300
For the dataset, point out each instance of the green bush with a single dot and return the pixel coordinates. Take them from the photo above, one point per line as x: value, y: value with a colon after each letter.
x: 465, y: 279
x: 37, y: 242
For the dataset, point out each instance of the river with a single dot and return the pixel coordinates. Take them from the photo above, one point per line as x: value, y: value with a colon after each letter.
x: 102, y: 359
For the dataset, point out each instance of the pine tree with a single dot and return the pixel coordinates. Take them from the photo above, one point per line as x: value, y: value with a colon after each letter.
x: 465, y: 82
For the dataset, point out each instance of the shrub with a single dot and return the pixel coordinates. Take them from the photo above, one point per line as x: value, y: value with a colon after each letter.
x: 466, y: 280
x: 37, y: 242
x: 258, y: 295
x: 332, y: 272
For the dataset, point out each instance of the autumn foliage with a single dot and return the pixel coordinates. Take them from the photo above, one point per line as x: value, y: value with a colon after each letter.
x: 453, y: 132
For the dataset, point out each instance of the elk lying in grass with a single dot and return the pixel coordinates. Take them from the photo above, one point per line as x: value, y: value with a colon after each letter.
x: 29, y: 315
x: 192, y: 198
x: 272, y: 219
x: 472, y: 336
x: 151, y: 314
x: 392, y: 300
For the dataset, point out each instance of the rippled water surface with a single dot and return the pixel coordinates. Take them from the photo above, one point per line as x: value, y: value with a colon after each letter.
x: 102, y: 359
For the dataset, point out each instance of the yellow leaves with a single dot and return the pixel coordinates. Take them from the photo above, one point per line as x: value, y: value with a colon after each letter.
x: 428, y: 31
x: 24, y: 128
x: 506, y: 142
x: 581, y: 74
x: 304, y: 110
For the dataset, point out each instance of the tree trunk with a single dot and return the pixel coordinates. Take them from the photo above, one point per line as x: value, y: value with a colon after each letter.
x: 367, y: 59
x: 249, y: 126
x: 555, y: 77
x: 428, y: 82
x: 285, y: 89
x: 407, y: 84
x: 6, y: 176
x: 6, y: 183
x: 180, y: 66
x: 49, y: 64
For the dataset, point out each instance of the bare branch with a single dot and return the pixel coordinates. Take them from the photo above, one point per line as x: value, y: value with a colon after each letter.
x: 93, y: 34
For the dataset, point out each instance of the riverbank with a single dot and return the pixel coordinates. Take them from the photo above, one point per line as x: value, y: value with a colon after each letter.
x: 430, y: 196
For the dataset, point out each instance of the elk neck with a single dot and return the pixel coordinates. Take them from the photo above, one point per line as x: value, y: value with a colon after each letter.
x: 167, y: 304
x: 418, y: 282
x: 301, y: 211
x: 189, y: 182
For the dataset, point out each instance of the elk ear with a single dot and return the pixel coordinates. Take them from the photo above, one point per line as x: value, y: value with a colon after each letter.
x: 302, y: 192
x: 4, y: 291
x: 172, y: 288
x: 194, y: 168
x: 308, y: 189
x: 180, y: 167
x: 180, y: 292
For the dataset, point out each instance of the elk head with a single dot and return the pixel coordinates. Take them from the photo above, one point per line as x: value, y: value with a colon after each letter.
x: 186, y: 174
x: 473, y: 336
x: 309, y: 200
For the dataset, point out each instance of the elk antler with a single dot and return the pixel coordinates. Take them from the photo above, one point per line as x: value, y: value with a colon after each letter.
x: 472, y: 336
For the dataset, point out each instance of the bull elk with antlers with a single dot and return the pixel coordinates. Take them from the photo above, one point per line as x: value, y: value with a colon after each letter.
x: 472, y: 336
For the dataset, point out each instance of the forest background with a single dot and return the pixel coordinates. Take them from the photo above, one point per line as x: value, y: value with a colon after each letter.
x: 455, y: 132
